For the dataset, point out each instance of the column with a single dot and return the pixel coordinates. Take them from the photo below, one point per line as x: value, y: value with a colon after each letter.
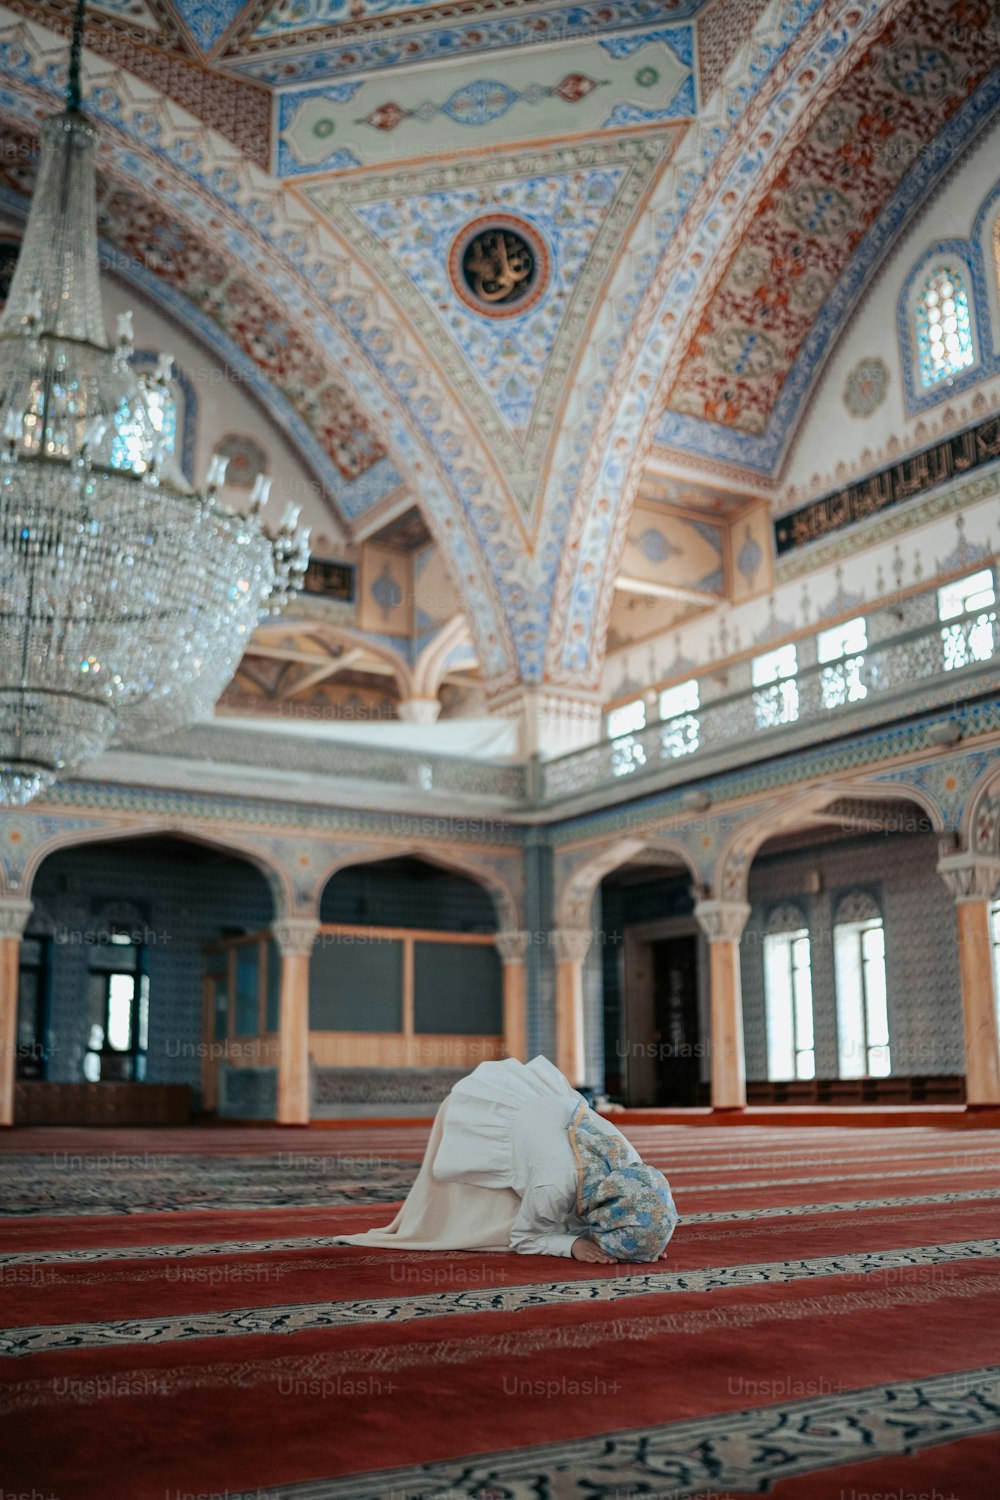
x: 723, y: 923
x: 512, y: 947
x: 295, y: 937
x: 551, y: 721
x: 14, y: 916
x: 571, y: 945
x: 418, y: 710
x: 972, y: 880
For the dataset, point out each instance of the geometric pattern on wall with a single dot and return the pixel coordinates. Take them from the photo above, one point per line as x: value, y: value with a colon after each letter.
x: 147, y: 40
x: 901, y: 94
x: 329, y: 43
x: 260, y: 328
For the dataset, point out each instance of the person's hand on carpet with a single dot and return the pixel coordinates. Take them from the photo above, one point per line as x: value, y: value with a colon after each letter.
x: 586, y: 1249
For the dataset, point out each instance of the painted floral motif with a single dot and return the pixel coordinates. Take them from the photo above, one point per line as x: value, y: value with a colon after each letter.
x: 866, y: 386
x: 750, y: 557
x: 482, y: 102
x: 245, y: 459
x: 567, y: 211
x: 386, y: 592
x: 654, y: 546
x: 859, y: 149
x: 257, y: 324
x: 206, y: 20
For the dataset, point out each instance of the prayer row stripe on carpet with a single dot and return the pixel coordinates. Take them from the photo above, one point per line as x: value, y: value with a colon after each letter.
x: 134, y: 1197
x: 743, y: 1452
x: 303, y: 1317
x: 572, y: 1339
x: 171, y: 1249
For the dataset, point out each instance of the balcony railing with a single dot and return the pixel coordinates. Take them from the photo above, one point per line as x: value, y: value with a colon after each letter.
x: 913, y: 663
x: 929, y: 665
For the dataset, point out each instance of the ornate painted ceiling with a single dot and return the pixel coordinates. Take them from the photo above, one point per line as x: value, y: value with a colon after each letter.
x: 525, y: 264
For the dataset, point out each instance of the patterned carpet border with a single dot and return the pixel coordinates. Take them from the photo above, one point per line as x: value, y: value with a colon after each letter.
x: 747, y: 1451
x: 306, y: 1317
x: 172, y: 1251
x: 196, y: 1191
x: 331, y: 1369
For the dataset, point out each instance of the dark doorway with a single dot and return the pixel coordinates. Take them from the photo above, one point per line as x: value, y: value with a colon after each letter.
x: 675, y: 1020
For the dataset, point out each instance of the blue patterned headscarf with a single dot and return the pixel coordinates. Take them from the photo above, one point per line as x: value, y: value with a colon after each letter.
x: 628, y: 1204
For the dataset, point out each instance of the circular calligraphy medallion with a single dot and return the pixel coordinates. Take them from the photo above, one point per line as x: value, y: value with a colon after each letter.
x: 499, y: 265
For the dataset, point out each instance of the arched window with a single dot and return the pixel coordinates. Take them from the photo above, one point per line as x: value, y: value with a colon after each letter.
x: 862, y: 1001
x: 995, y: 929
x: 944, y: 325
x: 162, y: 401
x: 791, y: 1046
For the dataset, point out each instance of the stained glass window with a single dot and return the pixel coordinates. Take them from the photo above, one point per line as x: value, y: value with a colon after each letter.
x: 129, y: 445
x: 944, y: 326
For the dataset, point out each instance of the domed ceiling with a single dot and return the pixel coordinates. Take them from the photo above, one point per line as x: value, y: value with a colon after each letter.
x: 531, y: 266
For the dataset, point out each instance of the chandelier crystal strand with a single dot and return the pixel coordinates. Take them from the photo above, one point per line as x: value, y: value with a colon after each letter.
x: 126, y: 598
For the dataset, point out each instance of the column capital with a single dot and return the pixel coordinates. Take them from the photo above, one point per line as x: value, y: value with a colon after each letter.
x: 512, y: 946
x: 419, y: 710
x: 14, y: 914
x: 552, y: 720
x: 722, y: 921
x: 970, y: 877
x: 295, y: 935
x: 571, y: 944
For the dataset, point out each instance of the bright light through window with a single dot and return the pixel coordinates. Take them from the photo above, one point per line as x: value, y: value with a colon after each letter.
x: 791, y: 1047
x: 968, y: 640
x: 843, y: 645
x: 627, y: 719
x: 678, y: 709
x: 774, y: 665
x: 129, y: 444
x: 862, y: 1001
x: 121, y: 988
x: 975, y: 592
x: 944, y: 327
x: 682, y: 699
x: 777, y: 698
x: 842, y: 640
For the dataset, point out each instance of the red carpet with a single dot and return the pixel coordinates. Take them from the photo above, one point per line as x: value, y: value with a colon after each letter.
x: 824, y: 1327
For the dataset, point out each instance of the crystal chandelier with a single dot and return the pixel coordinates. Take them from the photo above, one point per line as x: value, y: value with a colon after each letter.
x: 126, y: 597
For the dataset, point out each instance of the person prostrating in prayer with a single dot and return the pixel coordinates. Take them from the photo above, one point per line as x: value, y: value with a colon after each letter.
x: 518, y: 1161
